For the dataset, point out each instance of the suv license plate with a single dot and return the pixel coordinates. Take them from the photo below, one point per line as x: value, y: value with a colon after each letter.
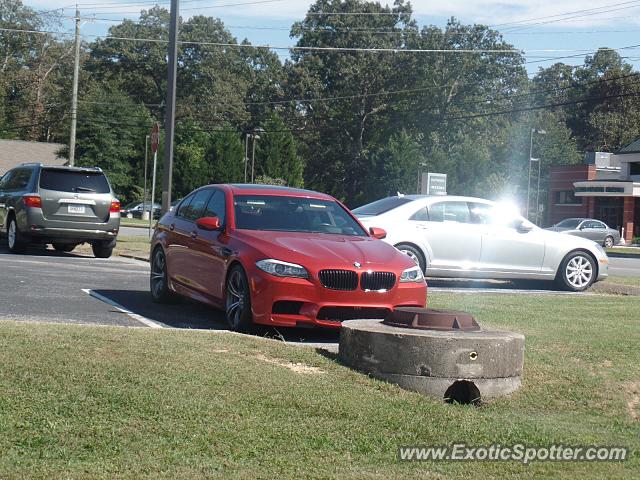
x: 76, y: 208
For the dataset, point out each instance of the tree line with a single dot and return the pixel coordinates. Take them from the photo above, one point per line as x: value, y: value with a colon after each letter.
x: 357, y: 111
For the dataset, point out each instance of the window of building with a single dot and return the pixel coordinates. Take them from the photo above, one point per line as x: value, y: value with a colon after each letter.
x: 567, y: 197
x: 634, y: 168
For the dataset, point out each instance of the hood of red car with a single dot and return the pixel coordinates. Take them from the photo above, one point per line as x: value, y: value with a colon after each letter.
x: 325, y: 250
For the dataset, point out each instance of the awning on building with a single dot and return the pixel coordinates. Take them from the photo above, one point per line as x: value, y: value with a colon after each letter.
x: 606, y: 188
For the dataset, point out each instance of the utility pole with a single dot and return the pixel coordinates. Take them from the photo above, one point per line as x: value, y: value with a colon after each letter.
x: 170, y: 118
x: 74, y: 94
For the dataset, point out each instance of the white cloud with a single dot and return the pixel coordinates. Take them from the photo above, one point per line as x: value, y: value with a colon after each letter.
x: 468, y: 11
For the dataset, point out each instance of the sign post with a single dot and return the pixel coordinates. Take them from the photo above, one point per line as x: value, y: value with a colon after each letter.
x: 155, y: 139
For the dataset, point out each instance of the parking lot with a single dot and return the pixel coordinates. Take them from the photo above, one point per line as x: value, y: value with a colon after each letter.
x: 47, y: 286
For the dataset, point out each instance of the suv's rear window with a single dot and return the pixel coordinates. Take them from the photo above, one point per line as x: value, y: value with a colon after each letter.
x: 74, y: 181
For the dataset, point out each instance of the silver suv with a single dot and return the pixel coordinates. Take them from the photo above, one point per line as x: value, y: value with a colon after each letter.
x: 63, y: 206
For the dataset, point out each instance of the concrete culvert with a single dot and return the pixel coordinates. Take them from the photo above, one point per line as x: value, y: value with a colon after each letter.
x: 463, y: 392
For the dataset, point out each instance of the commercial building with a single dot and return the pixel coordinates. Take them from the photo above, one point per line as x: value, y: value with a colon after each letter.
x: 606, y: 187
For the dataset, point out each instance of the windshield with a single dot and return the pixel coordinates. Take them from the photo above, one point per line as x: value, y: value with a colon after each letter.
x: 294, y: 214
x: 74, y: 181
x: 381, y: 206
x: 569, y: 223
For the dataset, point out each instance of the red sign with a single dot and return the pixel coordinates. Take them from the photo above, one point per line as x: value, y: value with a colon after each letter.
x: 155, y: 137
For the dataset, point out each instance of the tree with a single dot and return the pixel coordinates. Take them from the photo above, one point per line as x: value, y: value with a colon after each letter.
x: 226, y: 155
x: 277, y: 153
x: 111, y: 135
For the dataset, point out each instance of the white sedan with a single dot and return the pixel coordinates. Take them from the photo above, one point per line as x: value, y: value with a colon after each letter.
x: 464, y: 237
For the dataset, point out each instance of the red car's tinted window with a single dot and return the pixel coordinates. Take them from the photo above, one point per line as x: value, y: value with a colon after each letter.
x: 293, y: 214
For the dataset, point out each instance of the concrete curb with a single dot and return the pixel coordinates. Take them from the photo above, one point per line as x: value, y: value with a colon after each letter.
x: 134, y: 257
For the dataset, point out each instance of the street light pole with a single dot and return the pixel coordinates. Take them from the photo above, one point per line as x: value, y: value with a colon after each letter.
x: 246, y: 155
x: 531, y: 159
x: 529, y: 180
x: 538, y: 192
x: 253, y: 154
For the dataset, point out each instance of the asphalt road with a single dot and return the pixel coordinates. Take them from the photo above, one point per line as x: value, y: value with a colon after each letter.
x: 624, y: 267
x: 47, y: 286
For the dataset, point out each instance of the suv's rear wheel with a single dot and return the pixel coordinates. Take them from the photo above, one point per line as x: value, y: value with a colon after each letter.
x: 14, y: 241
x: 63, y: 247
x: 103, y: 248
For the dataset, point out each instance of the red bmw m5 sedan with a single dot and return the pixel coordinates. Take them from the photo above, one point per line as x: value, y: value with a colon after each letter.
x: 279, y: 256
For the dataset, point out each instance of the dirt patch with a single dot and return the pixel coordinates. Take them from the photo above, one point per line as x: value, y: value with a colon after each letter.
x: 633, y: 405
x: 615, y: 289
x: 300, y: 368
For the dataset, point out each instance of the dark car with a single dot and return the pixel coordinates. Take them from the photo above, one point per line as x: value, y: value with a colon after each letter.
x: 279, y: 256
x: 589, y: 228
x: 62, y: 206
x: 136, y: 210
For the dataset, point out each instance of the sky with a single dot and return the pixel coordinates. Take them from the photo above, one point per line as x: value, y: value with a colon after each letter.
x: 529, y: 25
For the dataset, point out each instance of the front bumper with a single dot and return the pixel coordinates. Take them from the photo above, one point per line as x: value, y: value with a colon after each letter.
x: 291, y: 302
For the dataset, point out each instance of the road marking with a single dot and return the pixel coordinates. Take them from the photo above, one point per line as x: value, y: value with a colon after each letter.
x: 135, y: 316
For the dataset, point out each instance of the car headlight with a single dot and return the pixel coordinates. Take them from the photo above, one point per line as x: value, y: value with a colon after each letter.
x: 413, y: 274
x: 279, y: 268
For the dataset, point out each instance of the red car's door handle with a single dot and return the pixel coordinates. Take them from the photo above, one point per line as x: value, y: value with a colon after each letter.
x: 172, y: 227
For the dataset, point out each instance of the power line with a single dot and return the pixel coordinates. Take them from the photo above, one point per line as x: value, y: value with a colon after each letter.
x: 517, y: 22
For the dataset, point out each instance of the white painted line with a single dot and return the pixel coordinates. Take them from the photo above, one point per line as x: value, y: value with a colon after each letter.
x: 135, y: 316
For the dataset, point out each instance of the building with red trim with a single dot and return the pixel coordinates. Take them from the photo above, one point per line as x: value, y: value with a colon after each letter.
x: 605, y: 187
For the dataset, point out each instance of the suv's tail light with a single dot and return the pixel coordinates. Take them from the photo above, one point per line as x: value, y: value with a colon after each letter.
x: 115, y: 206
x: 32, y: 201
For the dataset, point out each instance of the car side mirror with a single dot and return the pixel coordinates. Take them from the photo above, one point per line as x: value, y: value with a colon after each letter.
x: 378, y: 233
x: 209, y: 223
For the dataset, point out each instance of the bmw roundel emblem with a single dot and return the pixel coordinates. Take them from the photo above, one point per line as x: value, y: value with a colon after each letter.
x: 357, y: 264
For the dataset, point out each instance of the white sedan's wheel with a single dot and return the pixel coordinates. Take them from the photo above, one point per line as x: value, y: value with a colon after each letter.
x: 608, y: 242
x: 577, y: 271
x: 414, y: 254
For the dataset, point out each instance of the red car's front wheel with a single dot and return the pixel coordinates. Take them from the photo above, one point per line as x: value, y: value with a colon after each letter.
x: 238, y: 300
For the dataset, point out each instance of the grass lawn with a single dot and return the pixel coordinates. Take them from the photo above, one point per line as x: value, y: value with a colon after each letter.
x: 628, y: 251
x: 128, y: 245
x: 87, y: 402
x: 124, y: 221
x: 633, y: 281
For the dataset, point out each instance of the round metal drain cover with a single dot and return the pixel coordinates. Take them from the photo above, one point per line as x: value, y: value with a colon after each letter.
x: 431, y: 319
